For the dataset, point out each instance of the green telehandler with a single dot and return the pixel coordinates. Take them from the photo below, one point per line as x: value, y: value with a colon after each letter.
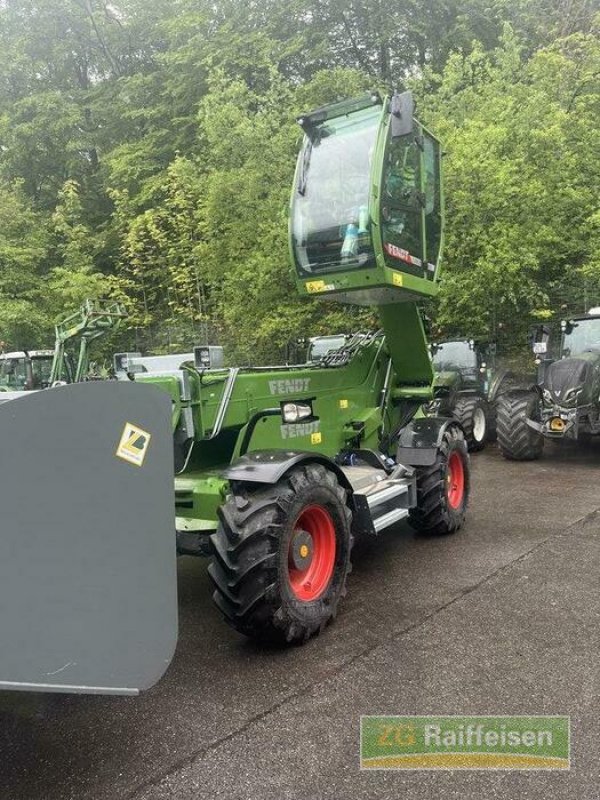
x: 278, y: 469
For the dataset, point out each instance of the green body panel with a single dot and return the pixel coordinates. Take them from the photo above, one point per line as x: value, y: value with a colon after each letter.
x: 347, y: 411
x: 198, y: 495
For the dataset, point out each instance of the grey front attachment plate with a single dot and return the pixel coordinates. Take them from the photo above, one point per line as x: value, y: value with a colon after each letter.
x: 88, y: 598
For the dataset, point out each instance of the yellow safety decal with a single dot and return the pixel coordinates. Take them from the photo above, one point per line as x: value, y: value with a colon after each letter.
x: 343, y: 404
x: 315, y: 438
x: 133, y: 445
x: 397, y: 279
x: 315, y: 286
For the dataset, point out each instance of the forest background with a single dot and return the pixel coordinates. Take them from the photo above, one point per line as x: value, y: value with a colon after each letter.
x: 147, y: 149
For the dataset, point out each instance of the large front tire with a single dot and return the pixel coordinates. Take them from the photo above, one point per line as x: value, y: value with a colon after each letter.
x: 516, y: 439
x: 443, y: 487
x: 282, y: 555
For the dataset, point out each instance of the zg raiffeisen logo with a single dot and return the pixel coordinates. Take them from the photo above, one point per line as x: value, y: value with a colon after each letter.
x: 464, y: 742
x: 133, y: 444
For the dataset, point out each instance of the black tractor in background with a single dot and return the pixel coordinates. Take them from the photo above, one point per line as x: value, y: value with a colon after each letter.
x: 564, y: 402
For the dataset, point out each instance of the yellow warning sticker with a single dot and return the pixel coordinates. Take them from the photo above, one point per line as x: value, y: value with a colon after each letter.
x: 315, y: 438
x: 397, y: 279
x: 315, y: 286
x: 133, y: 445
x: 343, y: 404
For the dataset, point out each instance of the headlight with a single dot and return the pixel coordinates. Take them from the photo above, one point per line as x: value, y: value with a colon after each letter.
x: 294, y: 412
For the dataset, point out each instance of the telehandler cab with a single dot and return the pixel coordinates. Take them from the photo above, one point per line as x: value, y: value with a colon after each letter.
x: 277, y: 469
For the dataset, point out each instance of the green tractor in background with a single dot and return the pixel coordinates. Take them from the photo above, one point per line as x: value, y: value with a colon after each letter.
x: 27, y: 370
x: 463, y: 379
x: 563, y: 404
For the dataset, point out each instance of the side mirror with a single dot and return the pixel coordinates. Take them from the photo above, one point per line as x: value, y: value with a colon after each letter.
x: 402, y: 108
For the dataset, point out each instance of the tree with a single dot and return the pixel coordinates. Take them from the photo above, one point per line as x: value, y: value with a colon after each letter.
x: 23, y: 248
x: 523, y: 167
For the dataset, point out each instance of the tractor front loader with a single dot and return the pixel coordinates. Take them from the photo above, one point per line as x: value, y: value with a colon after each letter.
x: 279, y: 469
x: 27, y: 370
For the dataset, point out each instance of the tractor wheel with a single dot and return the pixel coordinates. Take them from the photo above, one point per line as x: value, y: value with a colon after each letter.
x: 517, y: 441
x: 492, y: 433
x: 472, y: 414
x: 282, y: 555
x: 443, y: 487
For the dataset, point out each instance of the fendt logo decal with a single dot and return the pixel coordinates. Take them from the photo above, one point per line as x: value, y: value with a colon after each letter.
x: 292, y: 386
x: 298, y: 429
x: 133, y: 445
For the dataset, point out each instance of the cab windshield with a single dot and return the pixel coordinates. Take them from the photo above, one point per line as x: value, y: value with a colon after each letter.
x: 581, y: 335
x: 452, y: 355
x: 13, y: 372
x: 330, y: 213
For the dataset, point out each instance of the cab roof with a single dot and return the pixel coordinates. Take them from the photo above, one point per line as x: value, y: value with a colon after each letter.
x: 30, y: 353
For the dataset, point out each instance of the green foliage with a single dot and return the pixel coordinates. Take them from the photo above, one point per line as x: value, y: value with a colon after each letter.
x: 147, y: 150
x: 522, y: 171
x: 23, y: 248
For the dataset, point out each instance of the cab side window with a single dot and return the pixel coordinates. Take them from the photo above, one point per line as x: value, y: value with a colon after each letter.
x: 401, y: 209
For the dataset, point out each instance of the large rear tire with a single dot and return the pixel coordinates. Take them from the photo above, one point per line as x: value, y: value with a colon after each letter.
x: 516, y: 440
x: 282, y: 555
x: 472, y: 414
x: 443, y: 488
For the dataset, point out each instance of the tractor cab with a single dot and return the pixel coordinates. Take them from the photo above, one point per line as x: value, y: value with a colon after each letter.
x: 25, y: 370
x: 459, y: 355
x: 471, y: 362
x: 367, y: 205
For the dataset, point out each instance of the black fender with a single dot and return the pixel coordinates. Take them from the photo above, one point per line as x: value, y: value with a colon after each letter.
x: 269, y: 466
x: 419, y: 441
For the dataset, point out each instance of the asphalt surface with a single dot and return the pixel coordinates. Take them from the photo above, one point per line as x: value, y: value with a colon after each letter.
x: 502, y: 618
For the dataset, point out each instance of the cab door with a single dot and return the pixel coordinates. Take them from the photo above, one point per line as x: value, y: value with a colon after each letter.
x: 410, y: 202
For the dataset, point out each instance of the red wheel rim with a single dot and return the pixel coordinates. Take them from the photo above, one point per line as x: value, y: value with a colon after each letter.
x: 455, y: 480
x: 315, y: 528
